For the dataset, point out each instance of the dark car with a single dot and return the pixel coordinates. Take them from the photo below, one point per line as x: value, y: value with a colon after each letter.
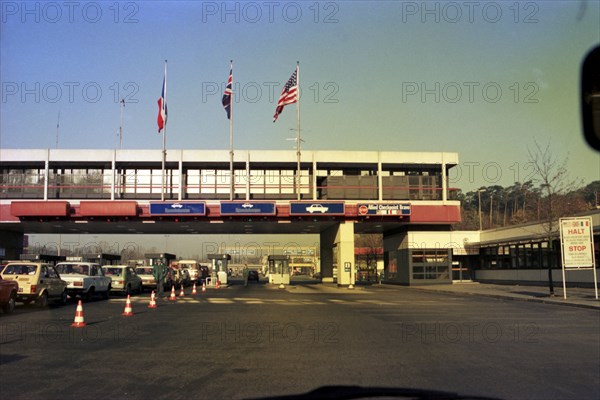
x: 253, y: 275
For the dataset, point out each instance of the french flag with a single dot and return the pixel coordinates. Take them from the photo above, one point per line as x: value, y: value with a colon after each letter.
x: 162, y: 104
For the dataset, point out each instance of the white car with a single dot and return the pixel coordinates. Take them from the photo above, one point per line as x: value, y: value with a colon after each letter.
x: 317, y: 208
x: 84, y: 279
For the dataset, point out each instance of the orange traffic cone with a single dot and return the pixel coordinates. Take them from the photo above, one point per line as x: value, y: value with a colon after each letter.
x: 181, y: 292
x: 128, y: 312
x: 152, y: 301
x: 172, y: 297
x: 203, y: 287
x: 194, y: 289
x: 78, y: 321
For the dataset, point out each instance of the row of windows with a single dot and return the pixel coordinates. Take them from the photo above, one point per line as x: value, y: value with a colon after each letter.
x: 198, y: 183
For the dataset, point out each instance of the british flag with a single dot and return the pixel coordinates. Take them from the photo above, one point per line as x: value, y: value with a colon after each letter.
x: 227, y: 95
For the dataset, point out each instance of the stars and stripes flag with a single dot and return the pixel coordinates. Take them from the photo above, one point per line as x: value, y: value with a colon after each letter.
x: 162, y: 104
x: 289, y: 95
x: 227, y: 95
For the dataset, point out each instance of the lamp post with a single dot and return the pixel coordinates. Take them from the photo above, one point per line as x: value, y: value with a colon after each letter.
x: 479, y: 194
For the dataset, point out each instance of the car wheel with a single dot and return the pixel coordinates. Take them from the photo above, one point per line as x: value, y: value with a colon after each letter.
x: 63, y: 298
x: 90, y: 294
x: 10, y: 306
x: 42, y: 301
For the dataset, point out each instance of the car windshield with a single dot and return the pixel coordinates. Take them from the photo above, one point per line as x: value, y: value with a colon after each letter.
x: 19, y: 269
x: 144, y: 270
x: 76, y: 269
x: 113, y: 271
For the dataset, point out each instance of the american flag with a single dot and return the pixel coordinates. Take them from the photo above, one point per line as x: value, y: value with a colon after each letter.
x: 289, y: 94
x: 162, y: 104
x: 227, y: 95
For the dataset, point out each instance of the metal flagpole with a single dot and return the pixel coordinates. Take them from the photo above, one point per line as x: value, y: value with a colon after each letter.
x: 231, y: 175
x: 164, y: 151
x: 298, y: 149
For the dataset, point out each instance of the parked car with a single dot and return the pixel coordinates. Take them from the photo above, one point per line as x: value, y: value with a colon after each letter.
x: 146, y: 273
x: 124, y: 279
x: 8, y: 294
x: 38, y: 282
x: 181, y: 277
x: 84, y: 279
x: 191, y: 266
x: 253, y: 275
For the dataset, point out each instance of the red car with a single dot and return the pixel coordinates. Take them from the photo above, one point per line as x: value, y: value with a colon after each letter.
x: 8, y: 295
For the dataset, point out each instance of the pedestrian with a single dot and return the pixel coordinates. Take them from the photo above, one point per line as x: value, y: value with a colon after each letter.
x: 159, y: 271
x: 245, y: 272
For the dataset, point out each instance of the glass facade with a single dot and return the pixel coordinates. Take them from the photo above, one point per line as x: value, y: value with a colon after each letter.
x: 530, y: 255
x: 262, y: 181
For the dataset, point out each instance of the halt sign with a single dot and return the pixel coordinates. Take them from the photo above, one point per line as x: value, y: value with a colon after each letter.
x: 577, y: 242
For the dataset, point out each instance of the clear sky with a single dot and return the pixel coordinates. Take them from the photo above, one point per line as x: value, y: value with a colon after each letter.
x: 479, y: 78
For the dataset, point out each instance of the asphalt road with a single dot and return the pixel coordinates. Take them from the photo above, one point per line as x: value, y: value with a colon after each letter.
x: 259, y: 341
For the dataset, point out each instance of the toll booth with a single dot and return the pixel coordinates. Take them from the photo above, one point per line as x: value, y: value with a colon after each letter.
x: 219, y: 268
x: 279, y: 270
x: 156, y: 258
x: 102, y: 258
x: 45, y: 258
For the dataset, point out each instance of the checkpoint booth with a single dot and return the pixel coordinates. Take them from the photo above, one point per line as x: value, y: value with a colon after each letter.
x: 279, y: 269
x: 219, y: 268
x: 45, y: 258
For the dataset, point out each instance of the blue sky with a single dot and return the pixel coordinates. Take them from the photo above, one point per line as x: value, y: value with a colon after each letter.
x: 483, y: 79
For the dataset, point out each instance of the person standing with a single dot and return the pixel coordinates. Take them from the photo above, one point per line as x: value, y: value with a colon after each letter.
x: 245, y: 272
x: 159, y: 272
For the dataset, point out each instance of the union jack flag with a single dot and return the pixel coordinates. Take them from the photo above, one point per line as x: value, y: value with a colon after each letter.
x: 227, y: 95
x: 289, y: 95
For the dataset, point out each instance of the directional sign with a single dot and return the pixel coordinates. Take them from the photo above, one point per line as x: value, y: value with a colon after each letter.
x: 316, y: 208
x: 384, y: 209
x: 178, y: 208
x: 577, y: 242
x: 247, y: 208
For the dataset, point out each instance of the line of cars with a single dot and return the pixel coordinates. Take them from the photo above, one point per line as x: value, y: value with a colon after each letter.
x: 41, y: 283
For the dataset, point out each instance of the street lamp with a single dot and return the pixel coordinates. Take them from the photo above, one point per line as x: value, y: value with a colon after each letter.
x: 479, y: 194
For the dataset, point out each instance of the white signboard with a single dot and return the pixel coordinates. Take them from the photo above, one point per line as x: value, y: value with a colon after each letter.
x: 577, y: 242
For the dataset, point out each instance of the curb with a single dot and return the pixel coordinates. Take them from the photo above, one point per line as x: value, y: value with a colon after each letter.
x: 507, y: 297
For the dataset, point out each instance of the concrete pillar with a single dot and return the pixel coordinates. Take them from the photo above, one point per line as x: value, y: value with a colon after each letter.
x: 341, y: 238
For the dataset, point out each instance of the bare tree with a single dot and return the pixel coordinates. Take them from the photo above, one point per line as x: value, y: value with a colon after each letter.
x: 552, y: 175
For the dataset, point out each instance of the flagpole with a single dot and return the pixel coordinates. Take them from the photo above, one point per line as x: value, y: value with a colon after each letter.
x: 164, y: 149
x: 298, y: 149
x: 231, y: 175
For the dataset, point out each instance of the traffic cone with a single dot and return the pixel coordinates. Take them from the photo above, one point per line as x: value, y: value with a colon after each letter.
x: 218, y: 285
x: 194, y: 289
x: 203, y: 287
x: 181, y: 292
x: 128, y: 312
x: 152, y: 301
x: 172, y: 297
x: 78, y: 321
